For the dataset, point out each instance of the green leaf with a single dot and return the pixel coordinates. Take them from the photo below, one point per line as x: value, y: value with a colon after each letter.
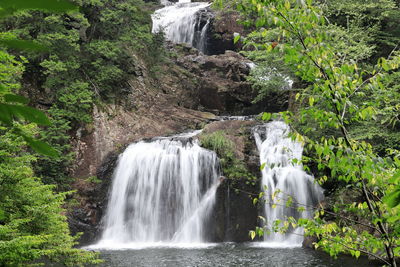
x: 56, y: 6
x: 5, y: 114
x: 236, y: 39
x: 393, y: 199
x: 357, y: 253
x: 255, y: 200
x: 395, y: 177
x: 287, y: 4
x: 252, y: 235
x: 2, y: 215
x: 16, y: 99
x: 266, y: 116
x: 3, y: 88
x: 263, y: 166
x: 311, y: 101
x: 393, y: 219
x: 40, y: 146
x: 27, y: 113
x: 22, y: 45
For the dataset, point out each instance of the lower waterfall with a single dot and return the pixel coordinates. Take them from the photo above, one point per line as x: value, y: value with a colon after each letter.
x: 162, y: 192
x: 281, y: 174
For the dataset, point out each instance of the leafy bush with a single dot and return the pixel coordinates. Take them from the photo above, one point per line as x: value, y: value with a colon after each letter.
x: 232, y: 167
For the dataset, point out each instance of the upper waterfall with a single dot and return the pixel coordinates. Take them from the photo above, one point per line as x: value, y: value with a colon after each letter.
x: 281, y: 174
x: 162, y: 191
x: 181, y: 23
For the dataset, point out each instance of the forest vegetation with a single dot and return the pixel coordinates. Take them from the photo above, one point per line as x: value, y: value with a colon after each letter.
x: 60, y: 58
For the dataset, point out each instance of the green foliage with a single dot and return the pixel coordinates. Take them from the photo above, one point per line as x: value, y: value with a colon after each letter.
x: 271, y: 74
x: 375, y: 22
x: 21, y: 45
x: 56, y: 170
x: 32, y: 226
x: 218, y: 142
x: 90, y: 57
x: 232, y: 167
x: 340, y: 94
x: 9, y: 7
x: 361, y: 31
x: 12, y: 106
x: 118, y: 30
x: 94, y: 180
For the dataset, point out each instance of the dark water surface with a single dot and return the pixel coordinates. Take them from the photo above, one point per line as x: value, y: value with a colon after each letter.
x: 225, y: 255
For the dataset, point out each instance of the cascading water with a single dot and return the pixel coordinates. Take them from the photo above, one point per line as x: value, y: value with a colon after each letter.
x: 181, y: 22
x: 202, y: 46
x: 282, y: 175
x: 163, y: 191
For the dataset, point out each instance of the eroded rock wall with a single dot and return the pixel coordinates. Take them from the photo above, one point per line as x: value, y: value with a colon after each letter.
x: 152, y: 107
x: 186, y: 93
x: 234, y: 212
x: 222, y: 87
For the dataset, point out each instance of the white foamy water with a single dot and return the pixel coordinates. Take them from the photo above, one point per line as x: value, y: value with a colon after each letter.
x: 179, y: 22
x: 110, y: 245
x: 162, y: 193
x: 271, y: 72
x: 277, y: 150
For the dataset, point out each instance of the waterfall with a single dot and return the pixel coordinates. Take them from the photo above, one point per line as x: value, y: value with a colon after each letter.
x: 202, y: 45
x: 162, y: 191
x: 180, y: 23
x: 278, y: 151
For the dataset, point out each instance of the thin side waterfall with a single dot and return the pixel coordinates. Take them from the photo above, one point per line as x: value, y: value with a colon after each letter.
x: 281, y: 174
x: 162, y: 192
x: 180, y: 21
x: 202, y: 46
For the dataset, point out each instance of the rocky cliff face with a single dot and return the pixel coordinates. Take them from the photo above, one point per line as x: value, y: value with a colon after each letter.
x: 146, y: 112
x: 192, y: 89
x: 187, y: 92
x: 221, y: 82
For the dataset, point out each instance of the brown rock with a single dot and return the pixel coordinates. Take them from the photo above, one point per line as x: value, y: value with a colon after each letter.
x: 234, y: 213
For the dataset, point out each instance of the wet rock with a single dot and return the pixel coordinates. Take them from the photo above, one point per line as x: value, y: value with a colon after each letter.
x: 223, y: 29
x: 309, y: 242
x: 93, y: 197
x: 222, y: 26
x: 222, y: 87
x: 201, y: 40
x: 234, y: 212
